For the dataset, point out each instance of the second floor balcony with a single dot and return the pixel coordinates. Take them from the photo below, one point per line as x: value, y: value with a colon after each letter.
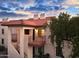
x: 38, y: 42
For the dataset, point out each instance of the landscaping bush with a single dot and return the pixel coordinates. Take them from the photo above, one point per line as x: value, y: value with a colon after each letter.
x: 2, y: 48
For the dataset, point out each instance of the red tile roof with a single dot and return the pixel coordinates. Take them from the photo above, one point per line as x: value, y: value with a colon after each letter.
x: 31, y: 22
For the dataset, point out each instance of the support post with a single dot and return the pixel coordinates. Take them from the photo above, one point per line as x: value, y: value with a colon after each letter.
x: 21, y: 42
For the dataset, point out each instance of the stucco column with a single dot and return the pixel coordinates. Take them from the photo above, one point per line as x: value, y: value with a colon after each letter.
x: 30, y: 48
x: 9, y: 42
x: 21, y: 42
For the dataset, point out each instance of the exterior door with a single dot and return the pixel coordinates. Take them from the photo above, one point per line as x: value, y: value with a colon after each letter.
x: 37, y: 51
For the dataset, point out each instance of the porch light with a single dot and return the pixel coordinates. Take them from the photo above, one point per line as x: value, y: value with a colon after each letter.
x: 36, y: 30
x: 48, y: 22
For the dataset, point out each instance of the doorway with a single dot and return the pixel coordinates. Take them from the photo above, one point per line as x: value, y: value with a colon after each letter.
x: 37, y: 51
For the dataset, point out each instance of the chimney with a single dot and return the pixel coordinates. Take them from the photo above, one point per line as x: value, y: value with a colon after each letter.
x: 42, y: 16
x: 36, y: 16
x: 5, y: 19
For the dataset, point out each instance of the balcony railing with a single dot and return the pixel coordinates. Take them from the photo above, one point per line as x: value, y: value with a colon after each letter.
x: 38, y: 42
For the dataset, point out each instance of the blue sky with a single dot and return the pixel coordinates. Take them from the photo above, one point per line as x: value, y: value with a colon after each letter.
x: 26, y: 8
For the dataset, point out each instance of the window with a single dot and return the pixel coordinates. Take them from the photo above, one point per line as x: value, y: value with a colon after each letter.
x: 26, y: 31
x: 14, y: 34
x: 2, y: 41
x: 39, y: 32
x: 2, y: 31
x: 14, y: 37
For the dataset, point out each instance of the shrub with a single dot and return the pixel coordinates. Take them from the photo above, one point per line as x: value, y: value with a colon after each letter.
x: 2, y: 48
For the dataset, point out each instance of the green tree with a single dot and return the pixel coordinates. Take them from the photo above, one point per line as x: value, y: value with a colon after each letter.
x: 59, y: 28
x: 64, y: 28
x: 74, y: 33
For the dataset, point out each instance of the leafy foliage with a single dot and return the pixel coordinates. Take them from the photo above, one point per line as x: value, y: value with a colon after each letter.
x: 59, y: 28
x: 65, y: 28
x: 74, y: 24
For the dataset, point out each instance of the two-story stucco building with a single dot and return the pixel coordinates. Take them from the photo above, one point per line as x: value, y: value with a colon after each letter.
x: 24, y: 38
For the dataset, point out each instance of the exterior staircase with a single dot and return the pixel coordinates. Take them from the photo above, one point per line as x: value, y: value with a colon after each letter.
x: 13, y: 53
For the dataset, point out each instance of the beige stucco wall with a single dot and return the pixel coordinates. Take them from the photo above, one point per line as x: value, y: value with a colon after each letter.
x: 12, y: 52
x: 67, y: 49
x: 49, y: 48
x: 4, y: 36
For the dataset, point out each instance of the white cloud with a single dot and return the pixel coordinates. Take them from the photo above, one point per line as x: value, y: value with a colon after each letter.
x: 71, y: 2
x: 30, y: 14
x: 31, y: 3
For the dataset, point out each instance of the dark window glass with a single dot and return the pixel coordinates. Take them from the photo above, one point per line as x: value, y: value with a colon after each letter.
x: 2, y: 41
x: 2, y: 31
x: 26, y: 31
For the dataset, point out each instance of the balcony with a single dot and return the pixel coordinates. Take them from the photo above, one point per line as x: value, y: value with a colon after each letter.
x: 38, y: 42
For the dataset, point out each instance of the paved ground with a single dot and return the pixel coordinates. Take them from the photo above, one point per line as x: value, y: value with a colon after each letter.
x: 3, y: 56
